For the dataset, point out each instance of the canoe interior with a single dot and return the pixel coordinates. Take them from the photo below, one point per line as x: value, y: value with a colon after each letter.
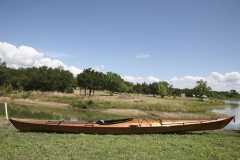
x: 124, y: 126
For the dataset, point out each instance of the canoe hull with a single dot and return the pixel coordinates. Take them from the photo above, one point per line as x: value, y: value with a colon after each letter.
x: 58, y: 127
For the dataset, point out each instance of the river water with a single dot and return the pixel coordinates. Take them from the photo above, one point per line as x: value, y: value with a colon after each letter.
x: 231, y: 108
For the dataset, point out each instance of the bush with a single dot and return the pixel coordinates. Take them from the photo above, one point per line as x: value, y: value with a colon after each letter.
x: 83, y: 104
x: 5, y: 90
x: 26, y: 95
x: 90, y: 102
x: 68, y: 90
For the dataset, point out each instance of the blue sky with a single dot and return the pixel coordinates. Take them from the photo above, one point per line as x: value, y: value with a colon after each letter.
x: 156, y: 38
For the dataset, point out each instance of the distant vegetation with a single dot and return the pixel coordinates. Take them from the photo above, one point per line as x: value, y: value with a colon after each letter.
x: 58, y: 79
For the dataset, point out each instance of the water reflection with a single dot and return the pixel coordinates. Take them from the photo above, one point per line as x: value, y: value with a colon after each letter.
x: 231, y: 108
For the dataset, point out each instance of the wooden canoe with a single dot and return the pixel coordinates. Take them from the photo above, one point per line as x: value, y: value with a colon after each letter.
x: 127, y: 126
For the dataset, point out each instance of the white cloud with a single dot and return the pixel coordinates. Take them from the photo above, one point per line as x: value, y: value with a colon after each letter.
x: 143, y: 56
x: 218, y: 81
x: 148, y: 79
x: 99, y: 68
x: 25, y: 56
x: 185, y: 81
x: 73, y: 69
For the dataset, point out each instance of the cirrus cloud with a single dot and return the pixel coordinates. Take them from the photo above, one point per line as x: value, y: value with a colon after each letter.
x: 142, y: 56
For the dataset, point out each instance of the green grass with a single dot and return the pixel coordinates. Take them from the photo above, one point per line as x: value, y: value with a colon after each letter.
x: 42, y: 146
x: 158, y: 104
x: 87, y: 114
x: 93, y: 108
x: 25, y: 111
x: 20, y: 111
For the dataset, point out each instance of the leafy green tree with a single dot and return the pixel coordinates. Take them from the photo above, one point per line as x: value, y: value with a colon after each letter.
x: 115, y: 83
x: 176, y: 92
x: 99, y: 81
x: 57, y: 79
x: 3, y: 73
x: 188, y: 92
x: 154, y: 88
x: 91, y: 80
x: 83, y: 79
x: 129, y: 87
x: 201, y: 88
x: 145, y: 88
x: 163, y: 88
x: 159, y: 88
x: 137, y: 88
x: 233, y: 93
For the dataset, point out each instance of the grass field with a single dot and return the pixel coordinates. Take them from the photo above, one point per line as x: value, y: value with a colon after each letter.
x: 42, y: 146
x: 34, y: 146
x: 132, y: 101
x: 102, y: 106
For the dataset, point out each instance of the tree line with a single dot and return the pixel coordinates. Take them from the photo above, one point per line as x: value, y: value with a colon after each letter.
x: 42, y: 79
x: 90, y: 80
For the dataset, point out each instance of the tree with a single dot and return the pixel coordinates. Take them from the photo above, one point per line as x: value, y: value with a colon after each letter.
x: 83, y: 79
x: 159, y: 88
x: 3, y: 73
x: 145, y: 88
x: 137, y: 88
x: 58, y: 79
x: 2, y: 63
x: 201, y: 89
x: 154, y: 88
x: 98, y: 81
x: 188, y: 92
x: 91, y: 80
x: 233, y: 93
x: 163, y: 88
x: 129, y: 87
x: 176, y: 92
x: 115, y: 83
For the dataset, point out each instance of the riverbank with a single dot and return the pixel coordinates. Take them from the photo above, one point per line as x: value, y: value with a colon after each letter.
x: 232, y: 108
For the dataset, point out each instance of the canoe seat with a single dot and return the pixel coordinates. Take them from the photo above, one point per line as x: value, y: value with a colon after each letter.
x: 109, y: 122
x: 134, y: 126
